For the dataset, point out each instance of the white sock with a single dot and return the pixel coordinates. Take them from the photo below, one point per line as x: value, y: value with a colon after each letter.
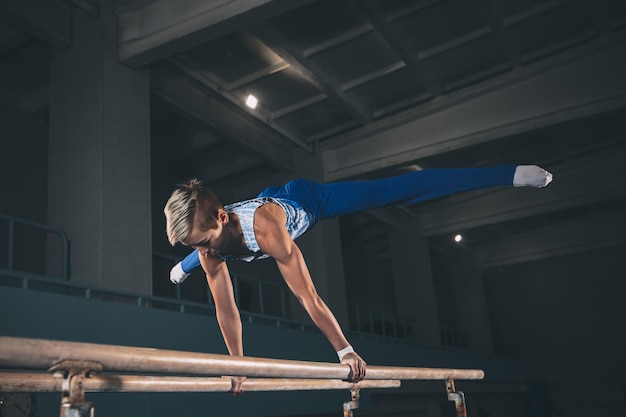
x: 531, y: 176
x: 178, y: 274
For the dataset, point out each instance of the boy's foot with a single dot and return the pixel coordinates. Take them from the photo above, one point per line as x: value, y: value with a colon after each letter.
x: 531, y: 176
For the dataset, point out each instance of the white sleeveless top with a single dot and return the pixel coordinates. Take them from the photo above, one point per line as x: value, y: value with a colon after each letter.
x: 297, y: 223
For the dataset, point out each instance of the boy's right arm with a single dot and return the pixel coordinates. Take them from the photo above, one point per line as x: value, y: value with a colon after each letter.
x: 226, y: 310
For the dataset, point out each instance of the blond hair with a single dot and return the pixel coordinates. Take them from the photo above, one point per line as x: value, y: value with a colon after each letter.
x: 190, y: 205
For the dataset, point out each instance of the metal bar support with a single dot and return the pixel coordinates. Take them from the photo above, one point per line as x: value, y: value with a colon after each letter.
x: 458, y: 397
x: 74, y: 373
x: 353, y: 404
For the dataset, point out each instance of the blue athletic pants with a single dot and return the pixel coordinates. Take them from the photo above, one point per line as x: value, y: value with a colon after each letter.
x: 322, y: 201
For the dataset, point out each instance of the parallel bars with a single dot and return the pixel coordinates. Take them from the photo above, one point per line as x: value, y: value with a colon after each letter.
x: 41, y: 382
x: 43, y: 354
x: 74, y: 365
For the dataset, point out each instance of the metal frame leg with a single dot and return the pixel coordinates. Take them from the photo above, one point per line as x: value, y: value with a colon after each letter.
x: 351, y: 405
x: 458, y: 397
x: 73, y: 391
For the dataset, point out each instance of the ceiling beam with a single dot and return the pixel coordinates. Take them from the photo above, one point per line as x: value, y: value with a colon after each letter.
x: 582, y: 182
x: 455, y: 43
x: 226, y: 168
x: 335, y: 41
x: 49, y: 20
x: 256, y: 75
x: 298, y: 106
x: 245, y: 132
x: 13, y: 40
x: 493, y: 16
x: 533, y: 12
x: 149, y: 31
x: 313, y: 73
x: 536, y: 97
x: 373, y: 13
x: 191, y: 69
x: 593, y: 233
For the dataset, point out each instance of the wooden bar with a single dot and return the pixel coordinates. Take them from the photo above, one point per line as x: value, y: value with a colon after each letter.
x: 42, y: 382
x: 40, y: 354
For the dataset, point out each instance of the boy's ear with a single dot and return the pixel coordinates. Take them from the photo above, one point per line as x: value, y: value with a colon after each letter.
x: 222, y: 216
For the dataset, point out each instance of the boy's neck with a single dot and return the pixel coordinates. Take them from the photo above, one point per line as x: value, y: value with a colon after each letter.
x: 236, y: 242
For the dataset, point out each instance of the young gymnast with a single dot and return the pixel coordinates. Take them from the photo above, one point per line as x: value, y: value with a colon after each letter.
x: 267, y: 226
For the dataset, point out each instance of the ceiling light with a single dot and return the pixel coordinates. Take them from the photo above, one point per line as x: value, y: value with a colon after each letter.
x: 458, y: 238
x: 251, y: 101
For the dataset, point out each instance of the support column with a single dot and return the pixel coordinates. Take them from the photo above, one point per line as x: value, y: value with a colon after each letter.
x: 472, y: 304
x: 99, y: 157
x: 413, y: 281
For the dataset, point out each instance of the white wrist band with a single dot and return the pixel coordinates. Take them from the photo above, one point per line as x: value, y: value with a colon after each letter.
x: 341, y: 353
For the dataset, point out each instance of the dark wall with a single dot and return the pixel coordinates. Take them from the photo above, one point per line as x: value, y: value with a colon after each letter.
x: 36, y: 314
x: 23, y: 166
x: 567, y: 316
x: 23, y: 187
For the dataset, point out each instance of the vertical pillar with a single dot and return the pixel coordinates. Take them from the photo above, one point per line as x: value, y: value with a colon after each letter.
x: 24, y: 152
x: 472, y: 304
x: 413, y: 281
x: 99, y: 157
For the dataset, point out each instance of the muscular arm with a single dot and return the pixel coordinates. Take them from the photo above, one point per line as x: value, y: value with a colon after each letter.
x: 273, y: 239
x: 226, y: 310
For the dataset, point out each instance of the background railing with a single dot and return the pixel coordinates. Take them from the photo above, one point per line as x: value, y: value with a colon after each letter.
x: 453, y: 337
x: 35, y: 282
x: 374, y: 321
x: 251, y: 294
x: 36, y: 240
x: 259, y: 301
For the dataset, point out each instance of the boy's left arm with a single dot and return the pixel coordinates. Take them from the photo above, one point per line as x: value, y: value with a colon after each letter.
x: 273, y: 239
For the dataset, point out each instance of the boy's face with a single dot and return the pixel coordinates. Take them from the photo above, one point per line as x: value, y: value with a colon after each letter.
x: 212, y: 241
